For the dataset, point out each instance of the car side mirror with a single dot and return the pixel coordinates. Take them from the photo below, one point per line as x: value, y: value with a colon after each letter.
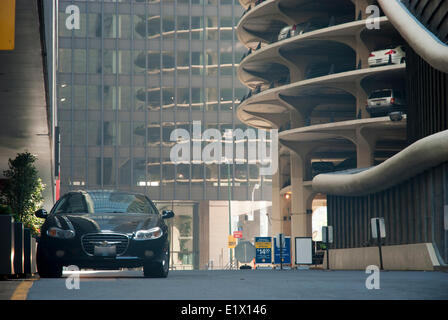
x: 167, y: 214
x: 41, y: 213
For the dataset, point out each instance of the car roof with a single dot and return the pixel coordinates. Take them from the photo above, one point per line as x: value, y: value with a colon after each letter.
x: 105, y: 191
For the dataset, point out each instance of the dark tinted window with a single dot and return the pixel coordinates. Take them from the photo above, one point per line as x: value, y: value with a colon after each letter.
x: 72, y: 203
x: 105, y: 202
x: 380, y: 94
x: 121, y: 202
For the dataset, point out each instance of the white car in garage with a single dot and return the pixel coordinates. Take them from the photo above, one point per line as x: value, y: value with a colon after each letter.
x: 382, y: 102
x: 386, y: 56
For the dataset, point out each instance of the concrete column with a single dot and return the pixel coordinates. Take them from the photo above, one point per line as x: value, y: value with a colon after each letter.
x: 361, y: 102
x: 365, y: 148
x: 300, y: 222
x: 361, y: 97
x: 360, y: 6
x: 276, y: 218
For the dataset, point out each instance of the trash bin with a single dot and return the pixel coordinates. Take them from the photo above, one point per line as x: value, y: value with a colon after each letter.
x: 18, y: 248
x: 6, y: 245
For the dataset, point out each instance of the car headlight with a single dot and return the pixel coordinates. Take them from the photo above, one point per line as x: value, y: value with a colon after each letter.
x: 150, y: 234
x: 60, y: 233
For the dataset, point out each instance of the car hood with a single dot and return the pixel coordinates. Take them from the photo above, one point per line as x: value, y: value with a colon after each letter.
x: 105, y: 222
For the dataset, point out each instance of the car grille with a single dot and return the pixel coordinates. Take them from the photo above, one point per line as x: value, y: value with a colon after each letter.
x: 89, y: 241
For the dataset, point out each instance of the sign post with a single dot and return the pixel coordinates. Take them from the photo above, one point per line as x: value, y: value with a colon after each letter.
x: 280, y: 240
x: 282, y: 253
x: 327, y: 238
x: 231, y: 242
x: 379, y: 232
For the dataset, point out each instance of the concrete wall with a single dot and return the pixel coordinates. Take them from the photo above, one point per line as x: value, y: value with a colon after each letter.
x: 419, y: 256
x: 218, y: 233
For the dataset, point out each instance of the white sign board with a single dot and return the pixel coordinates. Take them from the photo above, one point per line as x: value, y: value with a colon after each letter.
x: 330, y: 234
x: 304, y: 250
x: 373, y: 223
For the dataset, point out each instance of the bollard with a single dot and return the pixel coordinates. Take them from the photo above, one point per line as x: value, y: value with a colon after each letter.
x: 6, y: 245
x: 18, y: 249
x: 30, y: 253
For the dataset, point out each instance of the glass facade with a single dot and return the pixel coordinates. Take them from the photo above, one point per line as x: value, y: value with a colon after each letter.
x: 133, y: 72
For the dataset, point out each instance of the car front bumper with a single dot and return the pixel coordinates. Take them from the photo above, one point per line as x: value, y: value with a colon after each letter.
x: 68, y: 253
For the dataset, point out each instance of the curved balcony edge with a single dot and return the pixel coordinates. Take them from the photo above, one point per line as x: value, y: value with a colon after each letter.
x: 416, y: 158
x: 423, y: 41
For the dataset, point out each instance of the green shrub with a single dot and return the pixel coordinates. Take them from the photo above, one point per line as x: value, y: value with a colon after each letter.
x: 23, y: 190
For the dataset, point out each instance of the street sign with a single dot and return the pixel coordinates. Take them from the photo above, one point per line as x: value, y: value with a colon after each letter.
x: 245, y: 252
x: 280, y: 239
x: 328, y: 229
x: 286, y: 251
x: 382, y: 228
x: 237, y: 234
x: 263, y: 250
x: 231, y: 242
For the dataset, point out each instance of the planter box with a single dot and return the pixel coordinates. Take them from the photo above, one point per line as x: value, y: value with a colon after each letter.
x: 18, y: 248
x: 6, y: 245
x: 30, y: 246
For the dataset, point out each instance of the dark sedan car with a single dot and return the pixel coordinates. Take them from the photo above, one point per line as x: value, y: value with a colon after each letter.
x: 104, y: 230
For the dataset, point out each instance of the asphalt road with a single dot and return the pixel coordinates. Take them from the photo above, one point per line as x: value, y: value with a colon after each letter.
x: 242, y: 285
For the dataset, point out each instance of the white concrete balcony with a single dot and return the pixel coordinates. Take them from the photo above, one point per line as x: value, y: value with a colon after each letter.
x: 340, y: 92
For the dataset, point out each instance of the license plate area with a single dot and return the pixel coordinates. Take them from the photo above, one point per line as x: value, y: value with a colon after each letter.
x: 105, y: 251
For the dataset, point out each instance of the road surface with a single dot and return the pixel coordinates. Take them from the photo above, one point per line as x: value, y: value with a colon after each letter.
x: 238, y: 285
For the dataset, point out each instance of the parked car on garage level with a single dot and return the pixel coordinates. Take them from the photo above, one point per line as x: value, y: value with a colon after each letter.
x: 382, y: 102
x: 389, y: 55
x: 296, y: 29
x: 103, y: 230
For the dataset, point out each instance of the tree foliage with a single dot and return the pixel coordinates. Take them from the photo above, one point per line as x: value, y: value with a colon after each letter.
x: 23, y: 190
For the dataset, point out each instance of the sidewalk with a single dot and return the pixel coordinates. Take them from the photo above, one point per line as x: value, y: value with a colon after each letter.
x: 16, y: 289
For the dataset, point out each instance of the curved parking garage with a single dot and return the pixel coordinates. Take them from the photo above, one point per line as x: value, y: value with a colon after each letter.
x: 336, y: 90
x: 341, y: 86
x: 264, y: 22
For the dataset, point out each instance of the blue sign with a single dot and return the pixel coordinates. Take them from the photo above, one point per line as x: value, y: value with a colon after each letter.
x: 263, y: 250
x: 286, y: 252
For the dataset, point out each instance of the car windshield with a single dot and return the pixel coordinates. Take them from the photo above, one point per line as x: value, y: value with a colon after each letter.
x: 380, y: 94
x: 104, y: 202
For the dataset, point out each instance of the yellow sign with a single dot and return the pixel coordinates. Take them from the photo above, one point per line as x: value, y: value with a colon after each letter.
x: 232, y: 242
x: 7, y: 24
x: 263, y: 245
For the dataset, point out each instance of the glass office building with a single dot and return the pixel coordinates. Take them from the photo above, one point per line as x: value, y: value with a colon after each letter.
x: 132, y: 71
